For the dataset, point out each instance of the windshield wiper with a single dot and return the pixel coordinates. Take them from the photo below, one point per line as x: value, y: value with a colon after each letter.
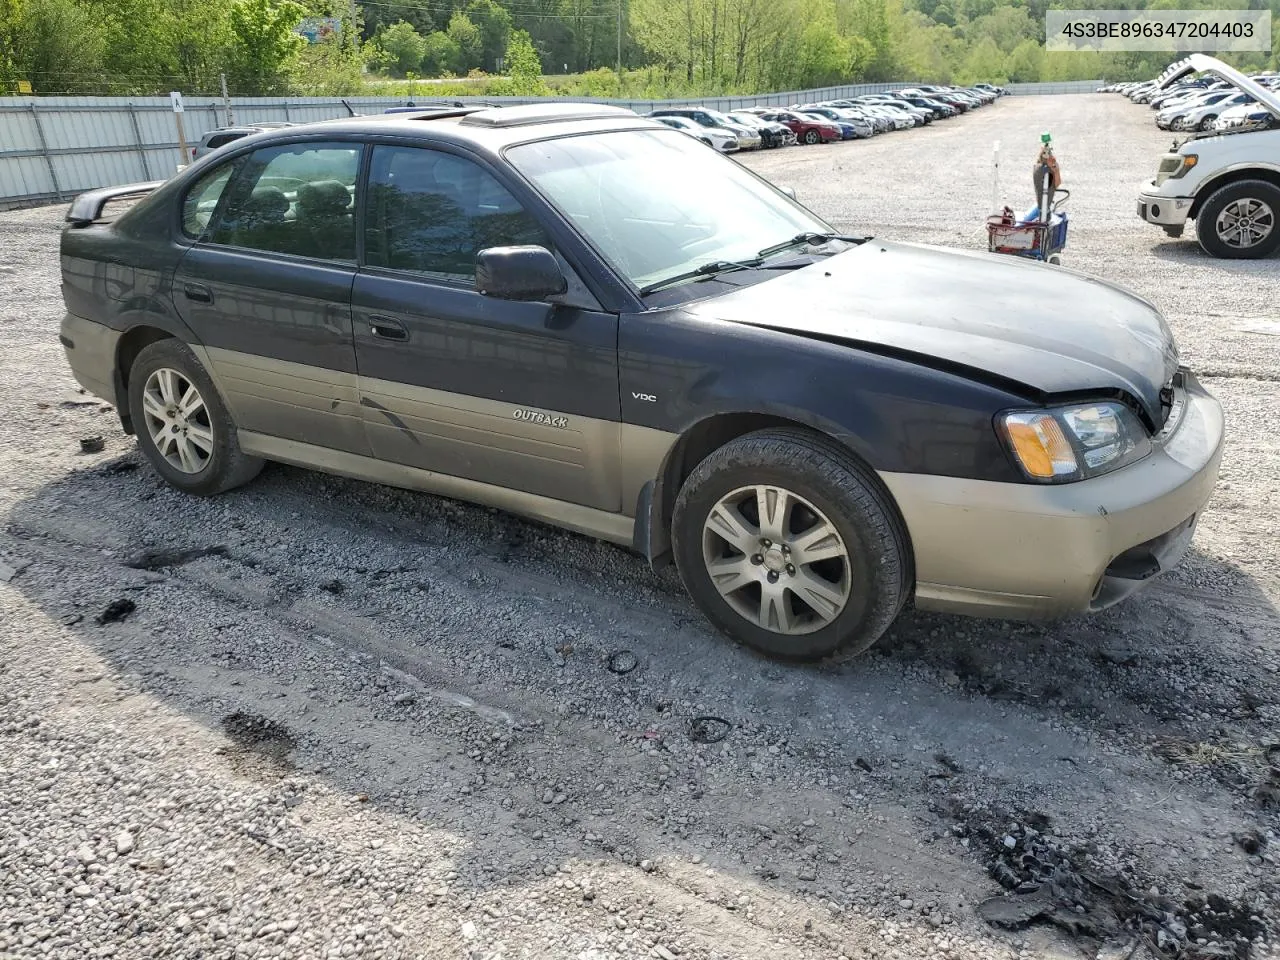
x: 705, y: 270
x: 813, y: 238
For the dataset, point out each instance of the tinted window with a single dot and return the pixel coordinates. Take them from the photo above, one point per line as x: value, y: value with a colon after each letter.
x: 297, y: 198
x: 432, y: 212
x: 221, y: 139
x: 202, y: 200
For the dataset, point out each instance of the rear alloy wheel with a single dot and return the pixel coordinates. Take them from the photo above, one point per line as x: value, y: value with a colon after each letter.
x: 812, y: 136
x: 181, y: 423
x: 177, y: 420
x: 790, y: 546
x: 1239, y: 221
x: 1207, y: 122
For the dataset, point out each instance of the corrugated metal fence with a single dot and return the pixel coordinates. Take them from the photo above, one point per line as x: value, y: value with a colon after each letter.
x: 51, y: 148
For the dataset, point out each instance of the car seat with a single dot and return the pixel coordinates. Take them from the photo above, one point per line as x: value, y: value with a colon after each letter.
x: 325, y: 225
x: 261, y: 223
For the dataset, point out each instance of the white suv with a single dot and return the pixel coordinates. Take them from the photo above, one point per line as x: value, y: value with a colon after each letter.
x: 1228, y: 182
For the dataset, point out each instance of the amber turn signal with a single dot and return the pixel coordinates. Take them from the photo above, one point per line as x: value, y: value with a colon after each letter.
x: 1041, y: 446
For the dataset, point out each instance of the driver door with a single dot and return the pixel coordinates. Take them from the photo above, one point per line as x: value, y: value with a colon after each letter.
x: 522, y: 395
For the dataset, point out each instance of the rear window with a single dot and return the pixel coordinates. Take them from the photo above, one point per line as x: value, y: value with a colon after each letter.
x: 297, y: 199
x: 222, y: 139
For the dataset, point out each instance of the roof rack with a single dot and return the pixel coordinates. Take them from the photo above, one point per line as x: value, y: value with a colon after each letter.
x: 531, y: 113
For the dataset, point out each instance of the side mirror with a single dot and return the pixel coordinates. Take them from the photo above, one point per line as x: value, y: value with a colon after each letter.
x: 519, y: 273
x: 789, y: 191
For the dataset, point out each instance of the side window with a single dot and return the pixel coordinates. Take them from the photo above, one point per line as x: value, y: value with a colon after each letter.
x: 222, y: 139
x: 202, y: 200
x: 296, y: 198
x: 432, y: 212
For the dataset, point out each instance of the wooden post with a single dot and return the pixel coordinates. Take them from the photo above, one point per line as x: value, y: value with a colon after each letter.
x: 182, y: 139
x: 176, y: 99
x: 226, y: 100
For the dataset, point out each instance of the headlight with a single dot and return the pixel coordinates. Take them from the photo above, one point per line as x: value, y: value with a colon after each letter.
x: 1071, y: 443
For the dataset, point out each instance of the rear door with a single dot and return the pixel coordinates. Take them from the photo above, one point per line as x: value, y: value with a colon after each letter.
x: 266, y: 288
x: 523, y: 395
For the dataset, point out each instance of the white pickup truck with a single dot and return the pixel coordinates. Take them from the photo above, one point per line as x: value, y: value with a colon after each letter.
x: 1228, y: 182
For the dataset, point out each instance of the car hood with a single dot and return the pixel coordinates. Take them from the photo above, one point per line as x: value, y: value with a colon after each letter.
x: 1044, y: 329
x: 1199, y: 62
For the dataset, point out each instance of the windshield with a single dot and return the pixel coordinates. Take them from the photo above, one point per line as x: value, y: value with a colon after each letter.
x: 656, y: 204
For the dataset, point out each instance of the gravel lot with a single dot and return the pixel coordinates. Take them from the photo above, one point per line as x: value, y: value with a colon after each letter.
x: 366, y: 722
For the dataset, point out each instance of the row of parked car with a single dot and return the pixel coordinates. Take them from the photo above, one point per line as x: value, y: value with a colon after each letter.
x: 754, y: 128
x: 855, y: 118
x: 1202, y: 104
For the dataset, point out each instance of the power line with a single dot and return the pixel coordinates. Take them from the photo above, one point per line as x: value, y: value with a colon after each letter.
x: 515, y: 11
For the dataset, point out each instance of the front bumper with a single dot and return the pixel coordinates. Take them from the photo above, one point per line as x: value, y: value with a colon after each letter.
x: 1033, y: 551
x: 1162, y: 210
x: 91, y: 354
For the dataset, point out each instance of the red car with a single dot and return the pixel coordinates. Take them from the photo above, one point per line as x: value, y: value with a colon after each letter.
x: 806, y: 127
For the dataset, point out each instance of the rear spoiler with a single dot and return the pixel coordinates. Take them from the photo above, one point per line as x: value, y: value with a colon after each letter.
x: 87, y: 207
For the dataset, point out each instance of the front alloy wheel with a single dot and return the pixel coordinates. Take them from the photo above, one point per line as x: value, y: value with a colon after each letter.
x: 789, y: 544
x: 1245, y: 223
x: 1238, y: 221
x: 776, y: 559
x: 177, y: 420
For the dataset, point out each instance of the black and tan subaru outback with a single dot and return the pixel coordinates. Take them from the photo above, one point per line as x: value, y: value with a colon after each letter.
x: 588, y: 318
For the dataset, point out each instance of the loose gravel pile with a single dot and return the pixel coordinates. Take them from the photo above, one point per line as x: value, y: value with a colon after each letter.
x: 316, y: 718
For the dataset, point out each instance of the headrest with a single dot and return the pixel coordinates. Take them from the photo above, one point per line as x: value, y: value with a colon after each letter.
x: 324, y: 198
x: 267, y: 204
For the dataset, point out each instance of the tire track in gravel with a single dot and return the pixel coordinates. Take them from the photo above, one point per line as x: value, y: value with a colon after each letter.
x: 825, y: 719
x: 538, y: 742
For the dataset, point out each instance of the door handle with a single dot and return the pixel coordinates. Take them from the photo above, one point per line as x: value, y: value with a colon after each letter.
x: 388, y: 329
x: 198, y: 292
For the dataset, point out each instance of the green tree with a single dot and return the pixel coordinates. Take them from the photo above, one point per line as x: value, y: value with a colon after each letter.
x: 59, y: 46
x: 984, y: 62
x: 263, y: 45
x: 10, y: 15
x: 494, y: 24
x: 377, y: 17
x: 331, y: 68
x: 823, y: 56
x: 523, y: 69
x: 1026, y: 62
x: 404, y: 47
x: 441, y: 54
x: 466, y: 36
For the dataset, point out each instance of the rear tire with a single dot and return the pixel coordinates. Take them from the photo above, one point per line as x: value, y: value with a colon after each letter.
x: 182, y: 424
x: 829, y: 566
x: 1240, y: 221
x: 1206, y: 124
x: 811, y: 137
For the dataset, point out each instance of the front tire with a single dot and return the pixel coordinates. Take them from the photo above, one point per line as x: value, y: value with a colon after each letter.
x: 182, y: 425
x: 1240, y: 221
x: 790, y: 546
x: 811, y: 137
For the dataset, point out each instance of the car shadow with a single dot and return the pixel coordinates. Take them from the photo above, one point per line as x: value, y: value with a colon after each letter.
x: 500, y: 679
x: 1186, y: 250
